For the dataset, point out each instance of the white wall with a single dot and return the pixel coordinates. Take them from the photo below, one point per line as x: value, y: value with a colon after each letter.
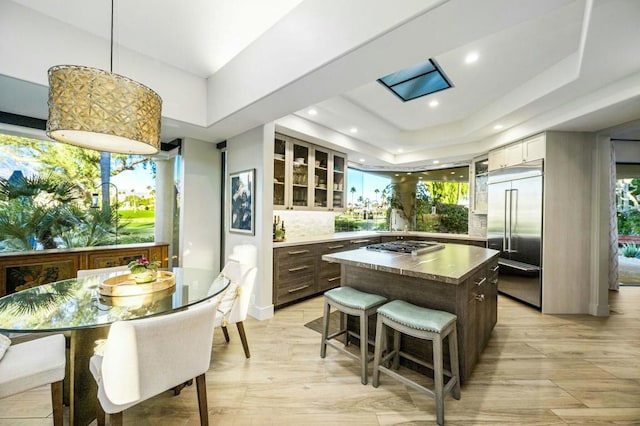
x: 200, y: 205
x: 254, y: 150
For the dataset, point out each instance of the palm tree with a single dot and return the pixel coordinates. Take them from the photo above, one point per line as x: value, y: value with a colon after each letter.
x: 353, y: 192
x: 377, y: 191
x: 34, y: 210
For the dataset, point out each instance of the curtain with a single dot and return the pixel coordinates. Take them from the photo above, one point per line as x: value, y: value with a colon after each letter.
x: 614, y: 283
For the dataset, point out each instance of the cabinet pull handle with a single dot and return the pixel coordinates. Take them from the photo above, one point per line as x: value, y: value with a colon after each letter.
x: 336, y: 247
x: 299, y: 268
x: 494, y: 281
x: 359, y: 241
x: 481, y: 281
x: 495, y: 268
x: 293, y: 290
x: 330, y: 280
x: 299, y: 252
x: 479, y: 297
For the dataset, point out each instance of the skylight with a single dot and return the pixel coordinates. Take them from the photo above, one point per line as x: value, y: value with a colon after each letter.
x: 416, y: 81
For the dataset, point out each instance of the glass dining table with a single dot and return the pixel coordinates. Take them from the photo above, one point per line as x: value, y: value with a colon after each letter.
x: 76, y: 307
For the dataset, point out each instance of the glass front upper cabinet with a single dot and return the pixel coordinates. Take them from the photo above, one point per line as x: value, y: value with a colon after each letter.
x: 290, y: 173
x: 306, y: 176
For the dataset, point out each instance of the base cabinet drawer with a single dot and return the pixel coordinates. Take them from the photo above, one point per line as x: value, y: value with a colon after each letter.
x: 295, y: 290
x: 294, y: 273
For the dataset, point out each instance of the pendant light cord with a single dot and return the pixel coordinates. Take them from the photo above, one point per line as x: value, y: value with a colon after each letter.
x: 111, y: 58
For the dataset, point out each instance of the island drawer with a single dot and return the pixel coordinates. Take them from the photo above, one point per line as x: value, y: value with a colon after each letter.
x: 477, y: 284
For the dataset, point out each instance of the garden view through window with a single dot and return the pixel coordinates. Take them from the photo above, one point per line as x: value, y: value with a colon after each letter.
x: 428, y: 201
x: 55, y: 195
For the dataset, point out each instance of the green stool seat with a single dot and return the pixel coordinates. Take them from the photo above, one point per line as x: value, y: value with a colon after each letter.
x: 355, y: 299
x: 421, y: 323
x: 416, y: 317
x: 349, y: 301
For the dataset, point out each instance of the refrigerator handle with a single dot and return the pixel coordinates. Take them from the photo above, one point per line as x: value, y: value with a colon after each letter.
x: 506, y: 216
x: 514, y: 194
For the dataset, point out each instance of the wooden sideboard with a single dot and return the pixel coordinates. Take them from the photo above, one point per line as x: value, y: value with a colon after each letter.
x: 20, y: 270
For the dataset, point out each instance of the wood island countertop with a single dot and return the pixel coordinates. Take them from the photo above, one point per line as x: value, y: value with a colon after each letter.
x: 452, y: 264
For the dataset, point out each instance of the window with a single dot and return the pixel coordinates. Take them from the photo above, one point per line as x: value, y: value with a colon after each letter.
x: 416, y: 81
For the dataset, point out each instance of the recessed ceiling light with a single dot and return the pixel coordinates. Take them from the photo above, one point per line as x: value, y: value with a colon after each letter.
x: 461, y: 176
x: 498, y: 127
x: 471, y: 57
x: 312, y: 112
x: 419, y: 177
x: 408, y: 173
x: 397, y: 174
x: 453, y: 173
x: 435, y: 162
x: 362, y: 160
x: 353, y: 130
x: 434, y: 103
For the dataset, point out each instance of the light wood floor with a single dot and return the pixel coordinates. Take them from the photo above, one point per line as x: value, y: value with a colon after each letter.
x: 538, y: 369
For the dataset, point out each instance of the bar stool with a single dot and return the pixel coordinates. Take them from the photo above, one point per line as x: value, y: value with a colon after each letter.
x: 422, y: 323
x: 350, y: 301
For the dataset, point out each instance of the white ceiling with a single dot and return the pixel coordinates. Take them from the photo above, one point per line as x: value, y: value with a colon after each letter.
x: 549, y: 64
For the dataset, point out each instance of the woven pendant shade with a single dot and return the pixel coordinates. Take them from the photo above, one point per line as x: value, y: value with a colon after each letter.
x: 96, y: 109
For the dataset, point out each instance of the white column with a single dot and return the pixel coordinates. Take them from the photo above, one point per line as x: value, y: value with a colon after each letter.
x: 165, y: 202
x: 599, y: 294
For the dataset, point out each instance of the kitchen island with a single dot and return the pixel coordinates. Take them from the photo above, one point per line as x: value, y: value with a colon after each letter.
x: 456, y: 278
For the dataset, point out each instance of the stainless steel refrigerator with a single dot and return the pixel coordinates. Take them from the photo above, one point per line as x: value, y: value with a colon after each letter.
x: 514, y: 226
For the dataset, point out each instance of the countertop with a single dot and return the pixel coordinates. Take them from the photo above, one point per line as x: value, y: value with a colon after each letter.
x: 339, y: 236
x: 452, y: 264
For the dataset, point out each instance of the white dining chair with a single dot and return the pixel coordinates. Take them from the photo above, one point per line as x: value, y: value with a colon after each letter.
x: 142, y: 358
x: 33, y: 364
x: 234, y: 304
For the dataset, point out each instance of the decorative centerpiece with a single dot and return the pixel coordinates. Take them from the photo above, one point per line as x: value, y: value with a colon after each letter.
x: 143, y: 279
x: 143, y: 271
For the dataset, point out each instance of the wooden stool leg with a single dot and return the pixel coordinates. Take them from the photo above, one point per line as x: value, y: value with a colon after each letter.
x: 364, y: 343
x: 56, y: 402
x: 453, y: 360
x: 381, y: 339
x: 344, y: 326
x: 325, y: 329
x: 438, y: 378
x: 396, y: 348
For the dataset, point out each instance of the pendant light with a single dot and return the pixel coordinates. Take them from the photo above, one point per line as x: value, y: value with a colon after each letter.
x: 96, y: 109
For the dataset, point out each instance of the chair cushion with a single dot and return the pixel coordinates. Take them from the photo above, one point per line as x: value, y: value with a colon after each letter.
x: 5, y: 342
x: 353, y: 298
x: 32, y: 364
x: 416, y: 317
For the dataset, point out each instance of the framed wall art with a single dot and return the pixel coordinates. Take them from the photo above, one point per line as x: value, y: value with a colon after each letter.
x: 242, y: 204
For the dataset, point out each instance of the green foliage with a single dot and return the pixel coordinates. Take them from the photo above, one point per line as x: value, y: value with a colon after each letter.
x: 628, y: 207
x: 45, y: 212
x: 630, y: 250
x: 453, y: 218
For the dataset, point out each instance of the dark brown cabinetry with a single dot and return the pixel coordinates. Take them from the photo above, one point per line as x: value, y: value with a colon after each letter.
x: 294, y: 273
x: 300, y: 272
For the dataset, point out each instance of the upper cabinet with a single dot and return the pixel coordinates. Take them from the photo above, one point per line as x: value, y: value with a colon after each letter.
x: 307, y: 177
x: 517, y: 153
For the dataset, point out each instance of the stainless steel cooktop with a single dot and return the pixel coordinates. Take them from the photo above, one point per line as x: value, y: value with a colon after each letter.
x: 410, y: 247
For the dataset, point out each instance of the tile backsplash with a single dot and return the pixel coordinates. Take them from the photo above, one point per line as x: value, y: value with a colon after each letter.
x: 306, y: 223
